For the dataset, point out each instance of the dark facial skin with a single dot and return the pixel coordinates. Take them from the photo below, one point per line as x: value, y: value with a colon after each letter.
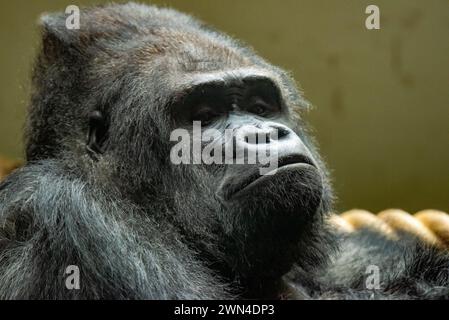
x: 259, y: 119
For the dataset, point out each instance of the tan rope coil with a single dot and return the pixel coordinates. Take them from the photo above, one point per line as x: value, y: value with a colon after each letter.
x: 431, y: 226
x: 7, y: 166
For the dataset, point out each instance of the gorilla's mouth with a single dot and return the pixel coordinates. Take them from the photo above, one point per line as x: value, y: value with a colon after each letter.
x: 246, y: 184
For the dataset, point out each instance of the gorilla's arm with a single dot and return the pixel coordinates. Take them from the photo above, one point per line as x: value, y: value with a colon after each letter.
x: 407, y: 269
x: 50, y: 220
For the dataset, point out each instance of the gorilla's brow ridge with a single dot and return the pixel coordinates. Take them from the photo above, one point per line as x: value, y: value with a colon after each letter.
x: 226, y: 78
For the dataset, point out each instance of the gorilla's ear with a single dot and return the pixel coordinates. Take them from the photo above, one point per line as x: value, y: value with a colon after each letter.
x: 97, y: 133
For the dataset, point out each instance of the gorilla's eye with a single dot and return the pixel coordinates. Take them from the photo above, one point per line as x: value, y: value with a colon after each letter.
x: 261, y: 108
x: 205, y: 114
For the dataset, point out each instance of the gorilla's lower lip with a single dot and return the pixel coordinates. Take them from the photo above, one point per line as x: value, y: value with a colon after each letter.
x: 254, y: 181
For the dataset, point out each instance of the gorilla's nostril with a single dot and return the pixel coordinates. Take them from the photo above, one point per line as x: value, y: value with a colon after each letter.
x: 281, y: 132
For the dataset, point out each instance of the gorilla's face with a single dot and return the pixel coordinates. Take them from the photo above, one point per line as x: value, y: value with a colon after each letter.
x: 222, y: 150
x: 236, y: 132
x: 247, y: 170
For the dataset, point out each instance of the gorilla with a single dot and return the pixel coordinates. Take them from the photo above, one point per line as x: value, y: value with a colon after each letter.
x: 99, y: 190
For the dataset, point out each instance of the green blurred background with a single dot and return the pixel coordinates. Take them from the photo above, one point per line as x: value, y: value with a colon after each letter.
x: 381, y: 96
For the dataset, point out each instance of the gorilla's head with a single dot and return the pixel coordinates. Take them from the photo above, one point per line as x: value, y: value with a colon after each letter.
x: 115, y: 98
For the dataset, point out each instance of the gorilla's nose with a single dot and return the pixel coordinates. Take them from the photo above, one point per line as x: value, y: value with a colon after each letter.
x: 274, y: 140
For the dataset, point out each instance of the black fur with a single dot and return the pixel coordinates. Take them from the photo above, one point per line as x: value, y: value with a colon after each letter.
x: 141, y: 228
x: 408, y: 269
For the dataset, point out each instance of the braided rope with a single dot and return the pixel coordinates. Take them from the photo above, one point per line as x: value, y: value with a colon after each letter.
x: 7, y: 166
x: 431, y: 226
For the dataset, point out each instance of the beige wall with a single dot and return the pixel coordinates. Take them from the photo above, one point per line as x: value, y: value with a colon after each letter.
x: 382, y: 97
